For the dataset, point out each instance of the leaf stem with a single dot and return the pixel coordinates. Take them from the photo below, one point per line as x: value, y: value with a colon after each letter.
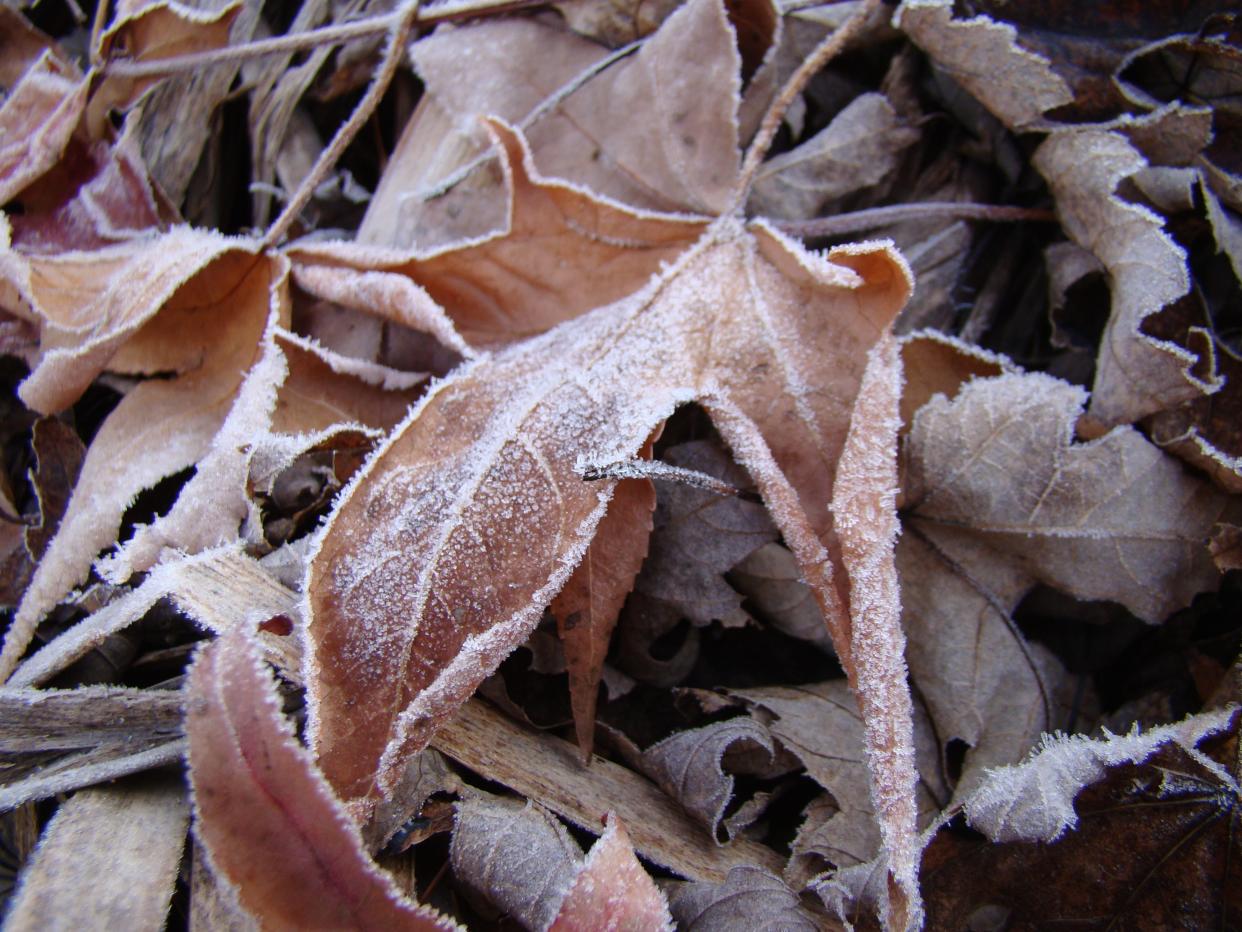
x: 819, y: 57
x: 859, y: 220
x: 408, y: 16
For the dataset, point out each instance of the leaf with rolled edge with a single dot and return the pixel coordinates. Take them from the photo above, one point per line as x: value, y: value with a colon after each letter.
x: 269, y: 822
x: 612, y: 891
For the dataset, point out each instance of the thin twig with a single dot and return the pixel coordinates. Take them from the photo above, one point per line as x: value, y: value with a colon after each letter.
x: 362, y: 112
x: 97, y: 30
x: 546, y: 106
x: 860, y: 220
x: 823, y: 53
x: 313, y: 38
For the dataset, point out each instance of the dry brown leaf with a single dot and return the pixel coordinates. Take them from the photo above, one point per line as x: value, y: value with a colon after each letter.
x: 588, y: 607
x: 820, y: 724
x: 985, y: 57
x: 108, y: 858
x: 1137, y: 374
x: 615, y: 22
x: 698, y: 536
x: 549, y: 771
x: 100, y: 195
x: 749, y: 900
x: 37, y: 120
x: 859, y: 148
x: 691, y: 767
x: 172, y: 421
x: 770, y: 581
x: 487, y: 296
x: 147, y: 31
x: 677, y: 150
x: 242, y: 757
x: 1111, y: 519
x: 515, y: 854
x: 612, y: 891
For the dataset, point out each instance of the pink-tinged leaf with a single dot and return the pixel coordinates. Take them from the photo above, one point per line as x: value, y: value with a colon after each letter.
x: 612, y: 891
x: 37, y: 119
x: 267, y: 819
x: 864, y: 503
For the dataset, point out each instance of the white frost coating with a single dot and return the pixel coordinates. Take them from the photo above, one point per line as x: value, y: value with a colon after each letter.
x: 864, y: 503
x: 651, y: 469
x: 1034, y: 800
x: 481, y: 654
x: 372, y: 373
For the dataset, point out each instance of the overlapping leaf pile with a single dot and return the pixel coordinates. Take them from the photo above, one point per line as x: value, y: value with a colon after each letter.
x: 600, y: 412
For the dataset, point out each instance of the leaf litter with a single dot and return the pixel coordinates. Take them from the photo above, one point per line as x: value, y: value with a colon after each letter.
x: 582, y: 292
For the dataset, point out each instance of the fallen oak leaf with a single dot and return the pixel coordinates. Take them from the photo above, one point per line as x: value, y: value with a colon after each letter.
x: 266, y: 818
x: 37, y: 120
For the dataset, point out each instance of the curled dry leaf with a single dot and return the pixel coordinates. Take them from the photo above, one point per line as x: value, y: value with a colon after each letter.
x: 1034, y: 800
x: 749, y: 899
x: 1137, y: 374
x: 985, y: 57
x: 242, y: 758
x: 690, y: 767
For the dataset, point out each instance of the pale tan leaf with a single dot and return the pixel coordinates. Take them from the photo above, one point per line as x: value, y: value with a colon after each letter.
x: 615, y: 22
x: 213, y: 904
x: 37, y: 119
x: 935, y: 363
x: 1137, y: 374
x: 685, y: 157
x: 856, y: 150
x: 242, y: 759
x: 516, y: 854
x: 985, y: 57
x: 212, y: 506
x: 1110, y: 519
x: 691, y: 767
x: 171, y: 421
x: 89, y: 304
x: 611, y: 891
x: 109, y: 858
x: 749, y: 900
